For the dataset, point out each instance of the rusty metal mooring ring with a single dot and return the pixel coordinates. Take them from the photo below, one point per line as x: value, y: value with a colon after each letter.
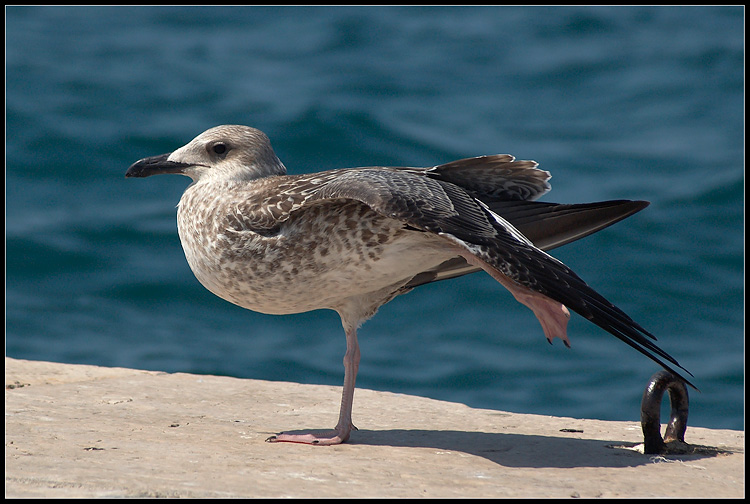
x: 651, y: 411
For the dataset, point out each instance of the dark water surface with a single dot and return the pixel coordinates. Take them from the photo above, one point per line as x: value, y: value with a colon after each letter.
x: 637, y: 103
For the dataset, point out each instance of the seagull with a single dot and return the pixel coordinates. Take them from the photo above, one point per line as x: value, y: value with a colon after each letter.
x: 352, y: 239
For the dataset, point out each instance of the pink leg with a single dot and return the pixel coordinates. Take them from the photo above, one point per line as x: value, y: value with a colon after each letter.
x: 552, y: 315
x: 342, y: 430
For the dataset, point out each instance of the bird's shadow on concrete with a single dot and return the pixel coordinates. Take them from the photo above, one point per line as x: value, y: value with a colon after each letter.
x: 515, y: 450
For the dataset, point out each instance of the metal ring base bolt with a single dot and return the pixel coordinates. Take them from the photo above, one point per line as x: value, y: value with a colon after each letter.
x: 673, y: 442
x: 651, y: 413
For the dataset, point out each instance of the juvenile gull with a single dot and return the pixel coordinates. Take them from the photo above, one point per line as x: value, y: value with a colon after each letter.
x: 350, y: 240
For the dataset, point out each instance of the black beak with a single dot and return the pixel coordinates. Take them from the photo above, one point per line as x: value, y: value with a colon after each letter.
x: 155, y: 165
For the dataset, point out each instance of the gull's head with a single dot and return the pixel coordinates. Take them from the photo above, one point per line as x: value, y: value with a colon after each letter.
x: 221, y: 153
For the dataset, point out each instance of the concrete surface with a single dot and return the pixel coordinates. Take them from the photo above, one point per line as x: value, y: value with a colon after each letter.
x: 87, y: 431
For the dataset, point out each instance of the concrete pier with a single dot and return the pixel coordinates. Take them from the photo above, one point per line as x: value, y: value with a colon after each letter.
x: 75, y: 431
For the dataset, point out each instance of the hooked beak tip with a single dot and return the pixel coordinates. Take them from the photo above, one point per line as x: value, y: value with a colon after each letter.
x: 154, y: 165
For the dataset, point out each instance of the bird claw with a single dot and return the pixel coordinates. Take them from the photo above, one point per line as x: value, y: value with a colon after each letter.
x: 319, y: 438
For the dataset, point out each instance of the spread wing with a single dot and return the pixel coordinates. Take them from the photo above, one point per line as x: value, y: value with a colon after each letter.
x: 435, y: 205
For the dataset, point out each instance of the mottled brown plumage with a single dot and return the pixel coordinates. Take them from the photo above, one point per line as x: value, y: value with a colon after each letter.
x: 352, y: 239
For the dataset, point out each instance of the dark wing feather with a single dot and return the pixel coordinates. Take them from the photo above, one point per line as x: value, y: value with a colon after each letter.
x: 540, y: 272
x: 551, y: 225
x: 547, y: 225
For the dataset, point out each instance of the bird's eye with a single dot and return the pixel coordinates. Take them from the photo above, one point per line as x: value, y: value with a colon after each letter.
x: 220, y: 149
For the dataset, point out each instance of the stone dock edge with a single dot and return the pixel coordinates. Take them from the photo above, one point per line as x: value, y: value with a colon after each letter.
x: 79, y: 431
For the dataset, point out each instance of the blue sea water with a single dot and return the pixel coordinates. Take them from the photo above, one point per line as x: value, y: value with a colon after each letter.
x: 616, y: 102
